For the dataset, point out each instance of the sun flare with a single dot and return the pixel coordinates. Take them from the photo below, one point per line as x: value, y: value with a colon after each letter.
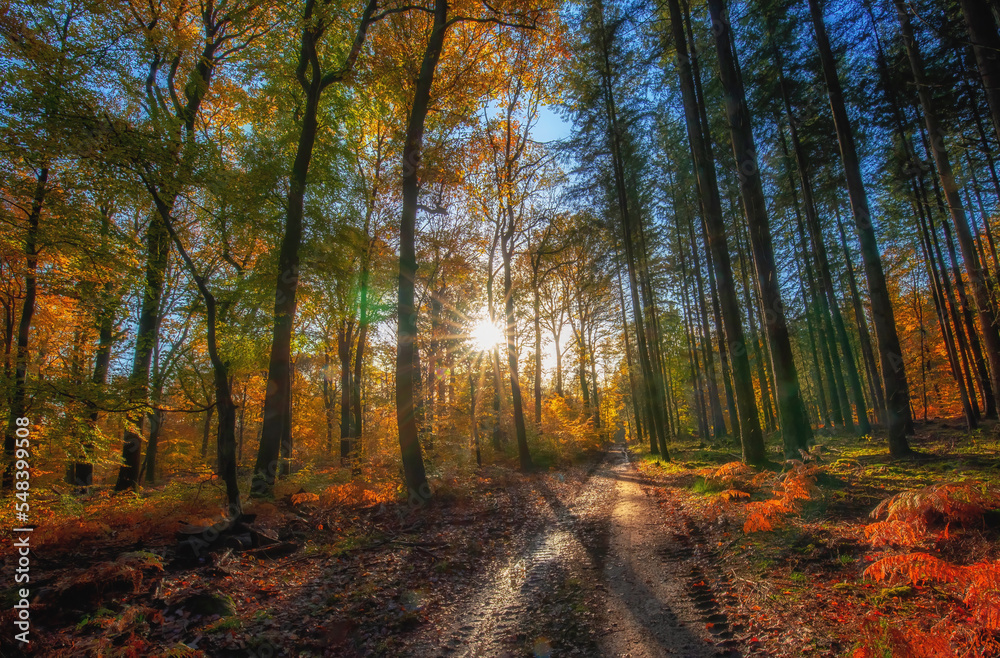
x: 485, y: 335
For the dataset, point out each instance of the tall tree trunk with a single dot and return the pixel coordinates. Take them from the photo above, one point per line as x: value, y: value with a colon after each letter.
x: 795, y: 428
x: 968, y: 337
x: 409, y: 442
x: 345, y: 343
x: 223, y: 386
x: 149, y: 467
x: 714, y: 403
x: 18, y: 397
x: 861, y: 322
x: 536, y: 309
x: 631, y: 239
x: 653, y: 447
x: 206, y: 429
x: 729, y: 324
x: 146, y: 337
x: 890, y: 352
x: 356, y: 380
x: 828, y: 297
x: 982, y: 27
x: 939, y: 295
x: 510, y: 332
x: 973, y: 267
x: 83, y: 468
x: 275, y: 438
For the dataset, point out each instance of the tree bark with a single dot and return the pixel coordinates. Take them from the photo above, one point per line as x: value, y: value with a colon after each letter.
x: 890, y: 352
x: 982, y: 27
x: 409, y: 442
x: 147, y: 334
x: 275, y: 436
x: 18, y: 397
x: 973, y: 266
x: 795, y: 428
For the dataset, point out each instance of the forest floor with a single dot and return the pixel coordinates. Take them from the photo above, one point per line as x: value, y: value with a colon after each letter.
x: 620, y: 555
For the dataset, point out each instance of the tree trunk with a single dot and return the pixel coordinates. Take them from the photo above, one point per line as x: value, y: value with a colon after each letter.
x: 275, y: 438
x: 146, y: 337
x: 277, y: 397
x: 18, y: 397
x: 409, y: 442
x: 206, y: 429
x: 223, y: 389
x: 973, y: 267
x: 890, y: 352
x: 630, y: 239
x: 861, y: 322
x: 345, y: 341
x: 536, y: 309
x: 942, y: 314
x: 156, y: 419
x: 510, y: 332
x: 795, y: 428
x: 982, y: 27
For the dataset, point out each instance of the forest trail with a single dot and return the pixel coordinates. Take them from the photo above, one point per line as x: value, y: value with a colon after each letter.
x: 602, y: 578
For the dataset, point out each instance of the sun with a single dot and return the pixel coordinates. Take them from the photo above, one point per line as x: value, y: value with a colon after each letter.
x: 485, y: 335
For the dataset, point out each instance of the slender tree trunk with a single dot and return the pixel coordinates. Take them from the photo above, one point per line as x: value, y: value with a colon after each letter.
x: 966, y: 334
x: 946, y: 331
x: 147, y: 335
x: 223, y: 386
x: 206, y: 429
x: 631, y: 242
x: 356, y: 380
x: 536, y: 309
x: 861, y: 322
x: 959, y: 311
x: 714, y: 403
x: 156, y: 418
x: 795, y: 428
x: 732, y: 341
x: 18, y: 397
x: 890, y: 352
x: 973, y: 267
x: 275, y: 438
x: 277, y: 397
x: 345, y: 343
x: 510, y: 331
x: 409, y: 443
x: 982, y: 27
x: 829, y: 303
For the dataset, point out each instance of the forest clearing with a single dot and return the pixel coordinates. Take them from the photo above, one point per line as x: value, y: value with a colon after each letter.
x: 500, y: 328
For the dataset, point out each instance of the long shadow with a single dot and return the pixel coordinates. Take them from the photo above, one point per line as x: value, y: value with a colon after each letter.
x: 630, y: 583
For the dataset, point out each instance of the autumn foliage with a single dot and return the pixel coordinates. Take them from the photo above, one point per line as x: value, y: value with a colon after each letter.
x: 912, y: 518
x: 739, y: 482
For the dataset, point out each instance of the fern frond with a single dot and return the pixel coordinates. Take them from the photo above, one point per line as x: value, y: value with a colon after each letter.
x: 894, y: 533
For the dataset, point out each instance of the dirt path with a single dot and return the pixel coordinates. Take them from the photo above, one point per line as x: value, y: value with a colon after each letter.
x: 602, y: 578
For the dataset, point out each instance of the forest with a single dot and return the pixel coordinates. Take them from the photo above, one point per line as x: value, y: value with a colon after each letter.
x: 500, y: 328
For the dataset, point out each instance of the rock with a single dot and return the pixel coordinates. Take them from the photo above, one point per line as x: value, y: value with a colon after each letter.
x: 207, y: 604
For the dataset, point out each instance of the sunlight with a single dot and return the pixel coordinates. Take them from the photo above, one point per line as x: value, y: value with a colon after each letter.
x: 485, y: 335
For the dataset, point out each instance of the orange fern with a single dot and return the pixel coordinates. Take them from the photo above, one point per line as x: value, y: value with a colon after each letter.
x: 959, y: 502
x: 795, y: 485
x: 978, y: 584
x: 731, y: 474
x: 892, y: 533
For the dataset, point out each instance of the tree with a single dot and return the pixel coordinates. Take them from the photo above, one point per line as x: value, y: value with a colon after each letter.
x: 795, y: 427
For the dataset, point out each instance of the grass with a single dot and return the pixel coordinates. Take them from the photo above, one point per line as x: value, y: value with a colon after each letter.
x: 810, y: 570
